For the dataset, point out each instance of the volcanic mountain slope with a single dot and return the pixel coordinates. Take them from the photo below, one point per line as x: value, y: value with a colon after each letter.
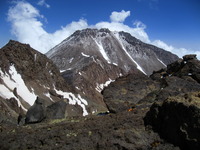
x: 93, y: 58
x: 25, y: 74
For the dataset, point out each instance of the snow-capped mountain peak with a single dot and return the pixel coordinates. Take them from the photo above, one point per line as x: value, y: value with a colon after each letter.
x: 91, y: 57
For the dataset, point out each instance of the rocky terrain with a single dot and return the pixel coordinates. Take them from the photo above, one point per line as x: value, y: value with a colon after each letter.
x: 124, y: 130
x: 176, y: 117
x: 39, y: 109
x: 146, y: 113
x: 172, y: 94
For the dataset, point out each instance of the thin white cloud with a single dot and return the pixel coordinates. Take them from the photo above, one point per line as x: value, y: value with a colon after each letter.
x: 139, y: 24
x: 178, y: 51
x: 116, y: 26
x: 27, y: 27
x: 43, y: 3
x: 119, y: 16
x: 163, y: 45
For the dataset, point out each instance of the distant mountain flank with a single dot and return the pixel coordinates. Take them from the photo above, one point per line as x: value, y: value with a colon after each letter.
x: 90, y: 59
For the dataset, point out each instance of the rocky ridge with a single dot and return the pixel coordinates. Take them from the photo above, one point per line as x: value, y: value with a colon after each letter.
x: 176, y: 117
x: 169, y: 96
x: 26, y: 74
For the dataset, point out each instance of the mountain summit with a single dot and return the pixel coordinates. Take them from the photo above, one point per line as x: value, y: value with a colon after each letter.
x: 117, y: 48
x: 90, y: 59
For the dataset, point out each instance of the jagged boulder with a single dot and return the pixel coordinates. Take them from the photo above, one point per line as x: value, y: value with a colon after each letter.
x: 57, y: 110
x: 175, y: 112
x: 177, y: 119
x: 189, y: 57
x: 37, y: 112
x: 188, y: 67
x: 127, y: 91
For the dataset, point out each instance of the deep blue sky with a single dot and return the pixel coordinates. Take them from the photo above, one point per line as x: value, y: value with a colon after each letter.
x: 176, y: 22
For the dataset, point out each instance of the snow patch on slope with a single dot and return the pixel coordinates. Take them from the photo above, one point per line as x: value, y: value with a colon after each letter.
x: 73, y: 100
x: 119, y: 39
x: 102, y: 51
x: 100, y: 87
x: 70, y: 61
x: 162, y: 62
x: 49, y: 96
x: 85, y: 55
x: 14, y: 80
x: 61, y: 71
x: 6, y: 93
x: 35, y: 57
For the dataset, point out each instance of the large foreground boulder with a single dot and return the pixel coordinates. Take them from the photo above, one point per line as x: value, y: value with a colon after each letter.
x: 126, y: 91
x: 177, y: 119
x: 56, y: 110
x: 37, y: 112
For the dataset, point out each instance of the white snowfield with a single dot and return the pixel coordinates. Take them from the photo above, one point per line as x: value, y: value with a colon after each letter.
x: 14, y: 80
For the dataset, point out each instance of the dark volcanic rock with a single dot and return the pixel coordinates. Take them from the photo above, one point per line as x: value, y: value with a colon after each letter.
x: 187, y: 68
x: 175, y: 114
x: 178, y: 78
x: 57, y: 110
x: 189, y: 57
x: 173, y: 86
x: 124, y: 130
x: 37, y: 112
x: 127, y: 91
x: 174, y: 93
x: 177, y: 120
